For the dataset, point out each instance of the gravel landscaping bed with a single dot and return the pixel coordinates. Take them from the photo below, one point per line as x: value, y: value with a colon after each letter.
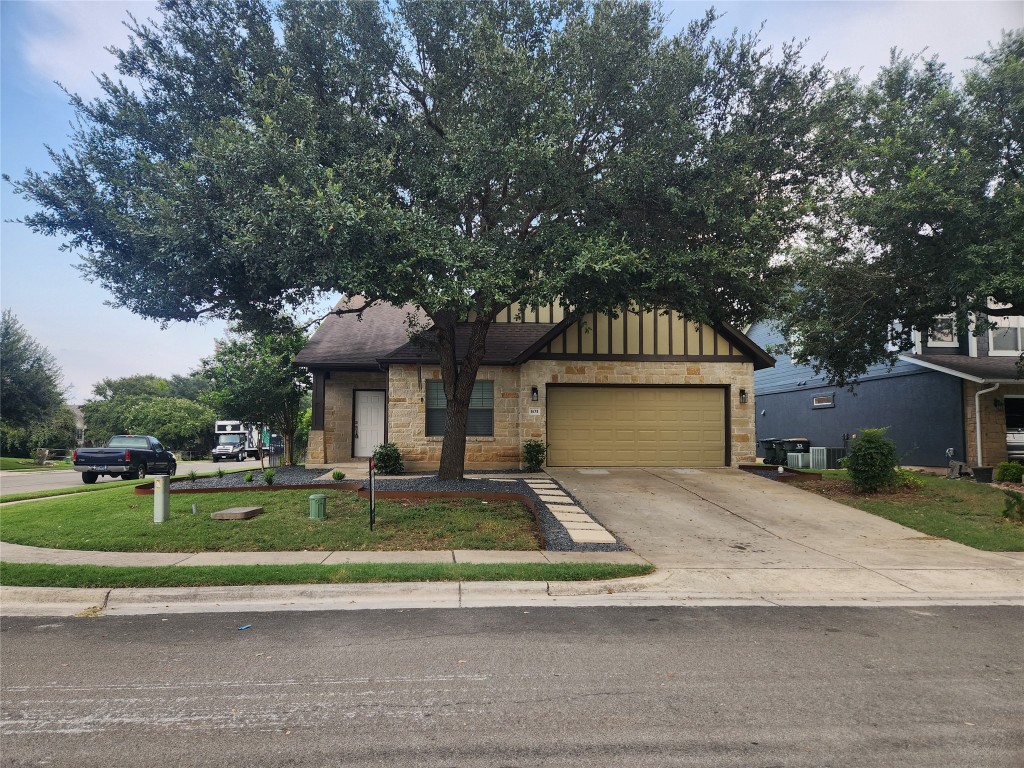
x: 556, y: 538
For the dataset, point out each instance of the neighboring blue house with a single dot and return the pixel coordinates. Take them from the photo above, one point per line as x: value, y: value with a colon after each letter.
x: 928, y: 400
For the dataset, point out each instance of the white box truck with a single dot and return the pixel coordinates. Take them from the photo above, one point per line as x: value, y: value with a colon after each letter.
x: 236, y: 441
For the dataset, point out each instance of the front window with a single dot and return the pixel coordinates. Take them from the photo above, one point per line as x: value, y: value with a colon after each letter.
x: 481, y: 409
x: 229, y: 439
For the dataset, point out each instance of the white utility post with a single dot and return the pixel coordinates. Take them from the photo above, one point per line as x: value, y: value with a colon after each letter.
x: 161, y: 498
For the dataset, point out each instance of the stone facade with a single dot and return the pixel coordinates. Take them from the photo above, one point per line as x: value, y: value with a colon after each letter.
x: 333, y: 445
x: 993, y: 423
x: 513, y: 422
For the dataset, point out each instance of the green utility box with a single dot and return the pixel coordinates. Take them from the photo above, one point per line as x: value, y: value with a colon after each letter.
x: 318, y: 506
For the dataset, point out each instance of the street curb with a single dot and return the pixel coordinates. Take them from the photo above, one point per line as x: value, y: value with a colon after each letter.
x: 57, y: 602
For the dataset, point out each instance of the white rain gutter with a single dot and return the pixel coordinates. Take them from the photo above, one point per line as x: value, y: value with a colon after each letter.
x: 977, y: 417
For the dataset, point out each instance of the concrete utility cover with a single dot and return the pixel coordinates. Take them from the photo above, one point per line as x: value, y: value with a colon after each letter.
x: 592, y: 471
x: 237, y: 513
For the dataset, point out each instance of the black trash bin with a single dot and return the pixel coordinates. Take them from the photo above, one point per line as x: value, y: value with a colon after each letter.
x: 772, y: 450
x: 794, y: 445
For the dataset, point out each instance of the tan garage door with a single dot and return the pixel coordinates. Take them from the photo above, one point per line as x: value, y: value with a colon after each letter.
x: 636, y: 426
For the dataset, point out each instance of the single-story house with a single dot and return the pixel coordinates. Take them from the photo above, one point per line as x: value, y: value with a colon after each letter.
x: 640, y: 389
x: 929, y: 400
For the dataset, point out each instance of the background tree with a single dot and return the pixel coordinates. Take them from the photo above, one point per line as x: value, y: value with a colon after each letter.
x: 253, y: 379
x: 456, y: 154
x: 139, y: 385
x: 924, y: 214
x: 143, y: 405
x: 192, y: 387
x: 60, y: 431
x: 31, y: 387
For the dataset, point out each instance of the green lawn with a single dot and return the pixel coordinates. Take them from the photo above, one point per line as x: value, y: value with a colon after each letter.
x: 118, y: 520
x: 100, y: 488
x: 960, y: 510
x: 45, y: 575
x: 29, y: 465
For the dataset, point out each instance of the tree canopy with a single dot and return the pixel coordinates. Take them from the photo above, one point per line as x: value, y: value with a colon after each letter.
x: 922, y: 214
x: 31, y: 387
x: 146, y: 405
x: 253, y: 379
x: 454, y: 154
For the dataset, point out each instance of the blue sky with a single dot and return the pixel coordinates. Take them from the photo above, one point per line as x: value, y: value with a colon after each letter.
x: 50, y: 40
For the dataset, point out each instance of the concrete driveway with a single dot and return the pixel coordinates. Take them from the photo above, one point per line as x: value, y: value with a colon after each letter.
x: 723, y: 531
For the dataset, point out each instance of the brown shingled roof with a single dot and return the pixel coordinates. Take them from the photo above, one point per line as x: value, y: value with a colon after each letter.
x: 507, y: 344
x: 343, y: 342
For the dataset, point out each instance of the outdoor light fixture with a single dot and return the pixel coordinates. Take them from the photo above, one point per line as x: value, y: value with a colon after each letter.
x: 998, y: 404
x: 743, y: 395
x: 534, y: 394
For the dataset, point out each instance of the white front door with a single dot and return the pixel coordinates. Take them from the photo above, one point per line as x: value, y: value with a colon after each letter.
x: 368, y: 430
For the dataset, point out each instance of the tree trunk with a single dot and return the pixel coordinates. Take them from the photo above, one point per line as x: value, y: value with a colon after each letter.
x: 458, y: 377
x: 289, y: 442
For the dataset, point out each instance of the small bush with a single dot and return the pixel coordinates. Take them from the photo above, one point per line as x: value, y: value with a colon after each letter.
x: 268, y: 476
x: 1009, y: 472
x: 1014, y: 505
x: 193, y: 475
x: 534, y: 453
x: 248, y: 477
x: 872, y: 462
x: 909, y: 480
x: 220, y: 472
x: 337, y: 475
x: 388, y: 459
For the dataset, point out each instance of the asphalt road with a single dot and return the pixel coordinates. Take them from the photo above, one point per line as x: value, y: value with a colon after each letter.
x: 26, y: 481
x: 750, y: 687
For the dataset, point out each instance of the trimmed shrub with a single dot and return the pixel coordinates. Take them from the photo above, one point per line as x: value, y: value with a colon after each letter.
x: 534, y: 453
x: 248, y: 477
x: 1009, y: 472
x: 337, y: 475
x: 872, y: 462
x: 388, y: 459
x: 268, y: 476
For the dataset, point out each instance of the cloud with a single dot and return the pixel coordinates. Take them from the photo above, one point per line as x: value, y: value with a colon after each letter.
x: 859, y: 34
x: 955, y: 32
x: 66, y: 41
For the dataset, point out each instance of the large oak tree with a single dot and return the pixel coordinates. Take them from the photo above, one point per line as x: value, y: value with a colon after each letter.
x: 456, y: 154
x: 921, y: 214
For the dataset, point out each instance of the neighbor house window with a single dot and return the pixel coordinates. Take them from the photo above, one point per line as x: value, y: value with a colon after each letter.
x: 1006, y: 337
x: 943, y: 332
x: 823, y: 401
x: 481, y: 409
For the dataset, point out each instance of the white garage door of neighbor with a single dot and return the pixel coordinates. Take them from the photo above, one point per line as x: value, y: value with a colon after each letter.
x: 603, y: 426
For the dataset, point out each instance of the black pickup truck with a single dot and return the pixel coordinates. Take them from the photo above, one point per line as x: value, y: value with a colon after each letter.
x: 128, y: 456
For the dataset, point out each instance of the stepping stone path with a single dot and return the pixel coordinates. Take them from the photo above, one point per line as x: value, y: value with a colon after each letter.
x: 582, y: 528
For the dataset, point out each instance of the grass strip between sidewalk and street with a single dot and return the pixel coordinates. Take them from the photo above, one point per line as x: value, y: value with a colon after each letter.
x: 111, y: 577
